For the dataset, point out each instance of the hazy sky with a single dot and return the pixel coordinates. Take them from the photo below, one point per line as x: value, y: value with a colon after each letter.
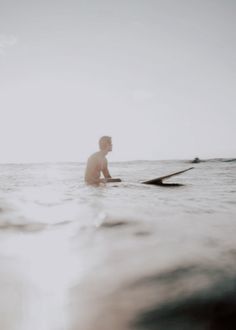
x: 156, y: 75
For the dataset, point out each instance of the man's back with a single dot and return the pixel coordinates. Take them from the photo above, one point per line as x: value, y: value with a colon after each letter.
x: 96, y: 164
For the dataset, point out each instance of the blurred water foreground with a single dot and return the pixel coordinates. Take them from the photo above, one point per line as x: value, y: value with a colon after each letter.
x: 122, y: 256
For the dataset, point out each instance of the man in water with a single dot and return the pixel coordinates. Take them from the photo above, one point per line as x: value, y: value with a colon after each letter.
x: 97, y: 163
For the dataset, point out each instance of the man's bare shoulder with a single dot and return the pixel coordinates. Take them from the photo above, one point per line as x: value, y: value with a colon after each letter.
x: 96, y: 157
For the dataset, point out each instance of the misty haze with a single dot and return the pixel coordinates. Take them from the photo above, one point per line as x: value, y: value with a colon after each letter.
x: 117, y: 165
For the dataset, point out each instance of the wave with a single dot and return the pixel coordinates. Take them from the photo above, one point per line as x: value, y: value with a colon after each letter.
x: 26, y: 227
x: 229, y: 160
x: 107, y: 220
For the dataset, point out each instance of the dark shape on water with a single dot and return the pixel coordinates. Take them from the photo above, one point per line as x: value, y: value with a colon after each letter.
x: 159, y: 181
x: 142, y: 233
x: 195, y: 160
x: 209, y: 309
x: 112, y: 224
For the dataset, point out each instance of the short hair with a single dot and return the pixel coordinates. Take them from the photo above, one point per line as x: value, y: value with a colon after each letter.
x: 103, y: 141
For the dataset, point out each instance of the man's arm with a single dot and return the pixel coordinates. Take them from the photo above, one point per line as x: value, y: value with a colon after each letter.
x: 105, y: 171
x: 107, y: 175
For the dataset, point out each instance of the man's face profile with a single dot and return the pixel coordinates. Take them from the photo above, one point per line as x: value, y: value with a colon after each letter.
x: 105, y: 143
x: 109, y: 145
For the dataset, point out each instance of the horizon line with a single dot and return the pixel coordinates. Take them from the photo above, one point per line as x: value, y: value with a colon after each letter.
x: 112, y: 161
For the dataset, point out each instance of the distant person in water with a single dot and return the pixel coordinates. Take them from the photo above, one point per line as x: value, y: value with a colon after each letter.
x: 97, y: 164
x: 196, y: 160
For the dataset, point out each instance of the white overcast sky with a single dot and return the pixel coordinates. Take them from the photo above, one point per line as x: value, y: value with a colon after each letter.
x: 156, y: 75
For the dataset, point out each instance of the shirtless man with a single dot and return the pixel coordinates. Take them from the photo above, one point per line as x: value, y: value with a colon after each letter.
x: 97, y: 163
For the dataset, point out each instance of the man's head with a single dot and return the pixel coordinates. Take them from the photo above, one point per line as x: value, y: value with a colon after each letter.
x: 105, y: 143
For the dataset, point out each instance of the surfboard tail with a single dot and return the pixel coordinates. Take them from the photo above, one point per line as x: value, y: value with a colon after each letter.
x: 159, y: 181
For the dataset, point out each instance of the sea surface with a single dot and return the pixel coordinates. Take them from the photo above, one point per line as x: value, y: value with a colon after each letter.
x: 120, y: 256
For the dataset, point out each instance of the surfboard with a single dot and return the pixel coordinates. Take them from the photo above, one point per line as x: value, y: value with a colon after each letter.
x: 113, y: 180
x: 159, y: 181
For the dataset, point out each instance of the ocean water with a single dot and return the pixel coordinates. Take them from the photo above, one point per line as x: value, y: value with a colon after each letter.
x: 120, y: 256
